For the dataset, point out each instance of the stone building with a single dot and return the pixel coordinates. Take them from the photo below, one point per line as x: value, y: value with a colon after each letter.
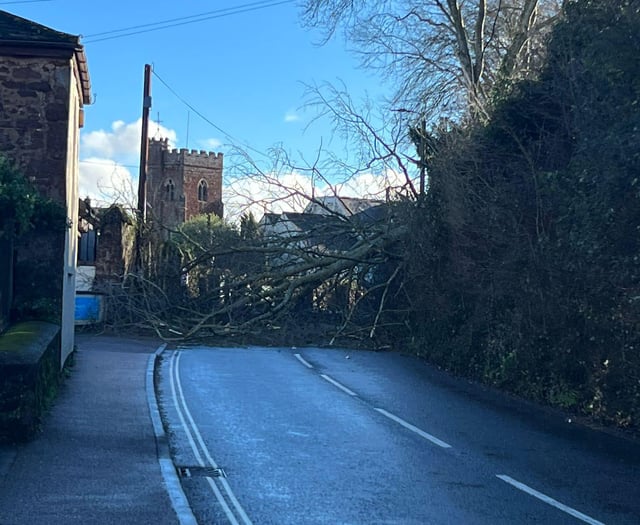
x: 113, y: 252
x: 182, y: 184
x: 44, y: 86
x: 106, y: 243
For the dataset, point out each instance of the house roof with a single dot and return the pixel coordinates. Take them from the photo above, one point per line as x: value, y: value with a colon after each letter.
x: 376, y: 213
x: 22, y: 37
x: 312, y: 221
x: 340, y: 205
x: 17, y: 29
x: 320, y: 231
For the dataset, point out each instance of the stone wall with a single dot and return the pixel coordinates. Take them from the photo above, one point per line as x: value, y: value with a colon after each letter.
x: 29, y: 367
x: 34, y: 119
x: 40, y: 114
x: 185, y: 169
x: 164, y: 209
x: 38, y: 278
x: 113, y: 251
x: 202, y: 167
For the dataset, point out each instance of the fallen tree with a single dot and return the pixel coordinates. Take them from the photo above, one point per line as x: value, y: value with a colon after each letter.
x: 250, y: 287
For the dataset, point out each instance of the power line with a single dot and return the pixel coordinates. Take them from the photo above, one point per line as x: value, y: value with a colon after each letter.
x: 24, y: 2
x: 112, y: 163
x: 203, y: 117
x: 185, y: 20
x: 197, y: 112
x: 190, y: 17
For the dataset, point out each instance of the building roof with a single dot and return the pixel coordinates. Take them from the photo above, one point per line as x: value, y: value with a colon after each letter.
x: 341, y: 205
x: 17, y: 29
x: 325, y: 232
x: 22, y: 37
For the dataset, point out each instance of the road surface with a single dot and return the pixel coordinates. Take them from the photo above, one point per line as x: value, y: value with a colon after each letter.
x: 295, y: 436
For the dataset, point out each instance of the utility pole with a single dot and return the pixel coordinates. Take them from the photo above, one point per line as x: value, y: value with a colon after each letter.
x: 144, y: 157
x: 423, y: 154
x: 144, y: 144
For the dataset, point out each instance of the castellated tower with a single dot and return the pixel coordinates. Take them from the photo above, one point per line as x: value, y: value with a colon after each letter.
x: 182, y: 184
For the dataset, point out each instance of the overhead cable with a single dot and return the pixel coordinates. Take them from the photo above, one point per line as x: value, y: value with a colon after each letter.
x: 203, y: 117
x: 24, y: 2
x: 175, y: 22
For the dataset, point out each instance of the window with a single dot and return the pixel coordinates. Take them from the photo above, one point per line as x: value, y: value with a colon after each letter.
x: 170, y: 190
x: 202, y: 191
x: 87, y: 247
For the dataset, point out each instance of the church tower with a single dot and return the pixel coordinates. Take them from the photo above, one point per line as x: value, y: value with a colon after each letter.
x: 182, y: 184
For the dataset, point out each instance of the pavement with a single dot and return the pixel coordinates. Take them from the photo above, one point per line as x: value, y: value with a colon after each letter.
x: 102, y: 456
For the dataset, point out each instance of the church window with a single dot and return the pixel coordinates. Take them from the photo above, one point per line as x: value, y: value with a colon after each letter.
x: 203, y: 191
x: 170, y: 190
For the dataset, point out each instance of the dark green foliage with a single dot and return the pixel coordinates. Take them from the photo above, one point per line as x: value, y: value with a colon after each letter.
x: 22, y: 208
x: 17, y: 200
x: 200, y: 265
x: 32, y: 222
x: 37, y: 295
x: 528, y: 258
x: 37, y: 290
x: 249, y: 229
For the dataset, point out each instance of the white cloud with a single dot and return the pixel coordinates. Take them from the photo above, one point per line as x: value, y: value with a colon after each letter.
x: 291, y: 116
x: 291, y: 192
x: 265, y: 194
x: 210, y: 144
x: 103, y: 174
x: 106, y: 182
x: 108, y: 174
x: 369, y: 185
x: 122, y: 143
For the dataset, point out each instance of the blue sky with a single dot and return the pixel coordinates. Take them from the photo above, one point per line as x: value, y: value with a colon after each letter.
x: 245, y: 72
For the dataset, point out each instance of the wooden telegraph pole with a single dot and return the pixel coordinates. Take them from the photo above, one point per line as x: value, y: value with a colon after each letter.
x: 423, y: 155
x: 144, y: 157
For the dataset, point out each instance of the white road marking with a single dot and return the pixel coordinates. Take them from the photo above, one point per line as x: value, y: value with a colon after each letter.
x: 341, y: 387
x: 176, y: 403
x: 175, y: 379
x: 548, y: 500
x: 303, y: 361
x: 235, y: 502
x: 223, y: 481
x: 413, y: 428
x: 181, y: 405
x: 179, y: 500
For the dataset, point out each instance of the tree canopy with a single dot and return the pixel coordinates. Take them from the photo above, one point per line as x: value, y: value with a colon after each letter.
x: 444, y: 56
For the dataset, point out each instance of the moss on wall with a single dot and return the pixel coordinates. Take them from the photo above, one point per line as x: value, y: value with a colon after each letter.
x: 29, y: 366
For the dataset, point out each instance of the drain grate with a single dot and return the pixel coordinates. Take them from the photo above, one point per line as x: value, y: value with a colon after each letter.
x: 201, y: 472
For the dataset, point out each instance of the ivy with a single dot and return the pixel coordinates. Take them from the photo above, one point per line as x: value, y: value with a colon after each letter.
x: 22, y: 208
x: 531, y: 276
x: 18, y: 200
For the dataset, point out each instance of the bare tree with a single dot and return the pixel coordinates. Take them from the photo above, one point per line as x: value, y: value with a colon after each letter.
x: 318, y: 275
x: 443, y: 56
x: 338, y: 267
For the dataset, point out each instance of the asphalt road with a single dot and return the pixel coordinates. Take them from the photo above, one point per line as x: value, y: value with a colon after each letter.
x: 295, y: 436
